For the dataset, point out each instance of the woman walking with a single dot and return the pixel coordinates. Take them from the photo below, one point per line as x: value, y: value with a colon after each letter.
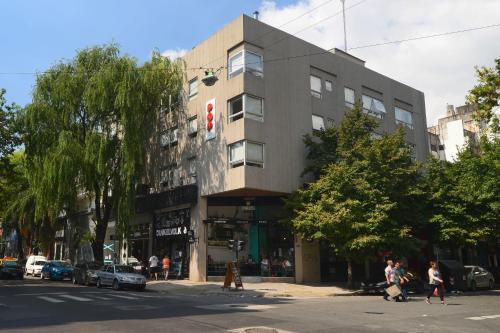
x: 435, y: 282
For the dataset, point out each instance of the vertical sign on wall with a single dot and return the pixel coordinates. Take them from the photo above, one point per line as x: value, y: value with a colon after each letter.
x: 210, y: 112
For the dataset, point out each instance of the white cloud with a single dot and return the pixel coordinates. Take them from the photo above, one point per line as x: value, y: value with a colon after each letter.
x: 174, y: 53
x: 441, y: 67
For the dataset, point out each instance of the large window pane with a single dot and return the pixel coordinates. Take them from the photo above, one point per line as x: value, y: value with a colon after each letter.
x: 192, y: 125
x: 253, y: 107
x: 318, y: 123
x: 236, y: 109
x: 192, y: 166
x: 246, y: 153
x: 349, y: 97
x: 236, y: 64
x: 255, y: 152
x: 315, y: 86
x: 373, y: 106
x: 236, y: 153
x: 253, y: 63
x: 404, y: 117
x: 193, y: 88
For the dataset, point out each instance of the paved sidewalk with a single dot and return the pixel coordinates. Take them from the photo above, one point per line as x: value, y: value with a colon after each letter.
x: 263, y: 289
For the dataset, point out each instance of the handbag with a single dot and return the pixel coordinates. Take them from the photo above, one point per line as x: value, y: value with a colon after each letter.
x: 393, y: 291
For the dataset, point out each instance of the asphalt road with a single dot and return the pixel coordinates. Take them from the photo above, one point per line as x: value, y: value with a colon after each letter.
x: 46, y: 306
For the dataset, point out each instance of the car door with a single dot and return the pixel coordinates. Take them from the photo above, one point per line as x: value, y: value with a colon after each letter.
x: 109, y: 274
x: 483, y: 280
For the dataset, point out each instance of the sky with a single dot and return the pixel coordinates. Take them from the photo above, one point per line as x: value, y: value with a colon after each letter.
x: 37, y: 34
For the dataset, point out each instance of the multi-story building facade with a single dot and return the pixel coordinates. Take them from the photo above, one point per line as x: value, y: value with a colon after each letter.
x: 224, y: 161
x: 453, y: 132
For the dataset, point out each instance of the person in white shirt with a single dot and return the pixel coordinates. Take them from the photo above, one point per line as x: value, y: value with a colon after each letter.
x: 435, y: 282
x: 389, y: 276
x: 153, y: 266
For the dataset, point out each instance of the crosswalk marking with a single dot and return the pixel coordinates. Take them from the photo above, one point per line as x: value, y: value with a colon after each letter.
x: 102, y: 298
x: 50, y: 299
x: 76, y: 298
x: 123, y: 296
x: 483, y: 317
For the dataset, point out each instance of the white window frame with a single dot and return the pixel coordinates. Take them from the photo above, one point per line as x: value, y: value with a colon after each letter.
x: 193, y: 131
x: 328, y: 85
x: 233, y: 73
x: 192, y: 93
x: 349, y: 104
x: 191, y: 163
x: 245, y: 160
x: 244, y: 113
x: 322, y: 121
x: 174, y: 135
x: 316, y: 93
x: 373, y: 110
x: 401, y: 121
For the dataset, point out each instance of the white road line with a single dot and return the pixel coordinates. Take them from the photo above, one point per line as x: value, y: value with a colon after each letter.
x: 122, y: 296
x: 483, y: 317
x: 100, y: 297
x: 50, y: 299
x: 76, y: 298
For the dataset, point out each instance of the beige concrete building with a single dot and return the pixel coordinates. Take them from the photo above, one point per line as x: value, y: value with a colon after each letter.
x: 225, y: 160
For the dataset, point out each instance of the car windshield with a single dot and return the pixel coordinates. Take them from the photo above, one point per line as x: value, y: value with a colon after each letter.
x: 124, y: 269
x: 468, y: 270
x: 61, y: 264
x: 40, y: 263
x: 10, y: 263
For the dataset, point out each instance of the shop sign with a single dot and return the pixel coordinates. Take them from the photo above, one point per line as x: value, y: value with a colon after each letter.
x: 140, y: 231
x: 173, y: 223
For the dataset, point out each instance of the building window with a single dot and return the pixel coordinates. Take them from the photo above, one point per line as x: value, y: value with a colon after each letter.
x: 318, y: 123
x: 246, y: 106
x: 167, y: 176
x: 315, y: 86
x: 245, y: 61
x: 192, y: 126
x: 349, y: 97
x: 373, y: 107
x: 193, y: 88
x: 413, y: 151
x: 192, y: 166
x: 169, y: 137
x: 328, y: 85
x: 404, y: 117
x: 246, y: 153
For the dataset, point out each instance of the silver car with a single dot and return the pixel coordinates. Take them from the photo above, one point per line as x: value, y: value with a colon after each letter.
x: 478, y: 277
x: 120, y: 276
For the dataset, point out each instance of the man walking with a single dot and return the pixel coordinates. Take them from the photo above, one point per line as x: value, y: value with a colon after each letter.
x: 153, y: 266
x: 389, y: 276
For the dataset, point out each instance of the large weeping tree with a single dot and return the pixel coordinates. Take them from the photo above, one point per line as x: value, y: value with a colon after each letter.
x: 88, y: 128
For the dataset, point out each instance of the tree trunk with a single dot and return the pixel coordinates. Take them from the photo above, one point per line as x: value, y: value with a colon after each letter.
x: 350, y: 283
x: 20, y: 252
x: 102, y: 222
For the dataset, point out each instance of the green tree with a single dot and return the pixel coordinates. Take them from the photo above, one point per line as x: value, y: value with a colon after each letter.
x: 88, y: 128
x: 9, y: 131
x: 486, y: 93
x: 367, y: 194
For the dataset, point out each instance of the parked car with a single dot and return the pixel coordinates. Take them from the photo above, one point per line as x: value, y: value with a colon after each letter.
x: 57, y: 270
x: 135, y: 264
x: 86, y: 273
x: 10, y: 269
x: 120, y: 276
x: 478, y: 277
x: 453, y: 270
x: 34, y: 265
x: 414, y: 286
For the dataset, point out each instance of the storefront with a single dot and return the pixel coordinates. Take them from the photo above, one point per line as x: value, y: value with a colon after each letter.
x: 171, y: 230
x: 267, y: 245
x: 139, y: 241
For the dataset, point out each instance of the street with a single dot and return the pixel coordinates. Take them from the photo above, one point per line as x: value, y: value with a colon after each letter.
x: 33, y: 305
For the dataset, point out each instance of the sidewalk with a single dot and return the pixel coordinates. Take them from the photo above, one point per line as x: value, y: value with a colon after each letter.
x: 263, y: 289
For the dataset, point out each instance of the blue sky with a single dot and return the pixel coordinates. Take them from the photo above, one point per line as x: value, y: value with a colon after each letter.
x: 36, y: 34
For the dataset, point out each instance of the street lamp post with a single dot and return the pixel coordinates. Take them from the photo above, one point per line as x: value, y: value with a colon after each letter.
x: 345, y: 34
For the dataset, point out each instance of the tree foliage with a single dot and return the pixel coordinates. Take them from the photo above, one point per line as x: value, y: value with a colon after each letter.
x: 367, y: 194
x: 486, y: 93
x: 9, y: 131
x: 88, y: 128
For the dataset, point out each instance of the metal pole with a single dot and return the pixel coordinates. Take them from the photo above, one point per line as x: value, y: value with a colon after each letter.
x: 345, y: 34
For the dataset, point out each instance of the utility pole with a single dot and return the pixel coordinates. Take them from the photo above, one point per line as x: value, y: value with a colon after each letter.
x: 345, y: 34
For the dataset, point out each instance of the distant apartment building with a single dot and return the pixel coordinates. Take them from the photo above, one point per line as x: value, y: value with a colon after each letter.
x: 222, y: 164
x: 453, y: 132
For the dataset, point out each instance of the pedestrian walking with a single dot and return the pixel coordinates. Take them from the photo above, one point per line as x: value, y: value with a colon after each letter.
x: 435, y: 282
x: 401, y: 279
x: 153, y: 266
x: 389, y: 277
x: 166, y: 266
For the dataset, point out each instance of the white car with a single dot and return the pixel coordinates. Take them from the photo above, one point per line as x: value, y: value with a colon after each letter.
x: 135, y: 264
x: 34, y: 265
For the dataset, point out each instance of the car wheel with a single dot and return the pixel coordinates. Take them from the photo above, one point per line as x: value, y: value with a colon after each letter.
x: 98, y: 283
x: 473, y: 285
x: 116, y: 285
x: 491, y: 285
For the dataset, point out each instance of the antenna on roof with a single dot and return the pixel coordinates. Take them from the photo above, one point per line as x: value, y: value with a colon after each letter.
x: 256, y: 15
x: 345, y: 34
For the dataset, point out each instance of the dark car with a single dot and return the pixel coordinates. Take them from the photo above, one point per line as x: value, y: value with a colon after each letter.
x: 57, y: 270
x: 414, y: 286
x: 86, y: 273
x: 454, y: 275
x: 11, y: 270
